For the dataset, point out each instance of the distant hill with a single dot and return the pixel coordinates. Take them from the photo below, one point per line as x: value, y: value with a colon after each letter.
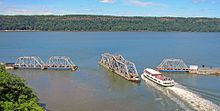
x: 108, y: 23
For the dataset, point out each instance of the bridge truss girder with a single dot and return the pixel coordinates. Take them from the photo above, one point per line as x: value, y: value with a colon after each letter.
x: 59, y: 61
x: 172, y: 64
x: 29, y: 62
x: 117, y: 62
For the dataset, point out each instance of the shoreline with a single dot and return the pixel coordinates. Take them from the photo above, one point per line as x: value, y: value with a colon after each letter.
x: 101, y: 31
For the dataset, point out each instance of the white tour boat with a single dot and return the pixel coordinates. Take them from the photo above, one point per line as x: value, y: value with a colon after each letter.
x: 157, y: 77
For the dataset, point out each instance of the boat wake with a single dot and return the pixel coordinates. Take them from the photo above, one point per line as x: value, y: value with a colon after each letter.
x: 194, y: 100
x: 185, y: 98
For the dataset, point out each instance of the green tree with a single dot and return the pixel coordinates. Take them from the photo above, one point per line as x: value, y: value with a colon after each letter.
x: 15, y: 94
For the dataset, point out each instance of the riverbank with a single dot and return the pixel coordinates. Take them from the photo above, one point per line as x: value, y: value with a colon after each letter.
x: 20, y: 31
x: 104, y: 31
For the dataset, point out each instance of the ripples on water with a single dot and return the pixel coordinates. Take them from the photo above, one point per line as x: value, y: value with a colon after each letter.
x: 93, y: 88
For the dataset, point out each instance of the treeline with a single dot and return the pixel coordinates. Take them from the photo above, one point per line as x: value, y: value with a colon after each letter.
x: 108, y: 23
x: 15, y: 94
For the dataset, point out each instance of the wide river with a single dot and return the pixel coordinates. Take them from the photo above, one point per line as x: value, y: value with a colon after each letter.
x: 94, y: 88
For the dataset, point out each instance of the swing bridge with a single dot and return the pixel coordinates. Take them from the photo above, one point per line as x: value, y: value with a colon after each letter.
x: 173, y: 65
x: 54, y: 63
x: 116, y: 63
x: 120, y: 66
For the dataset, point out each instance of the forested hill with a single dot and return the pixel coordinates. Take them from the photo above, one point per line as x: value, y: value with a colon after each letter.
x: 108, y: 23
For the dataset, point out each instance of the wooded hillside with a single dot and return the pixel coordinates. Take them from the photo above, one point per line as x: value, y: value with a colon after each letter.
x: 108, y: 23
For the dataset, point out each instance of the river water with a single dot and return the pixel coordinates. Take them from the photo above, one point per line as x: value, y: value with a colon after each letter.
x: 94, y: 88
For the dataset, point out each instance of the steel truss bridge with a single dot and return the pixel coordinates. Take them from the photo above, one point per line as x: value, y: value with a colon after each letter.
x: 119, y: 65
x: 54, y: 62
x: 173, y: 64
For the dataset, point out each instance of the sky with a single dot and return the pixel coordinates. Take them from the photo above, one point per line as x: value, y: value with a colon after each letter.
x: 164, y: 8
